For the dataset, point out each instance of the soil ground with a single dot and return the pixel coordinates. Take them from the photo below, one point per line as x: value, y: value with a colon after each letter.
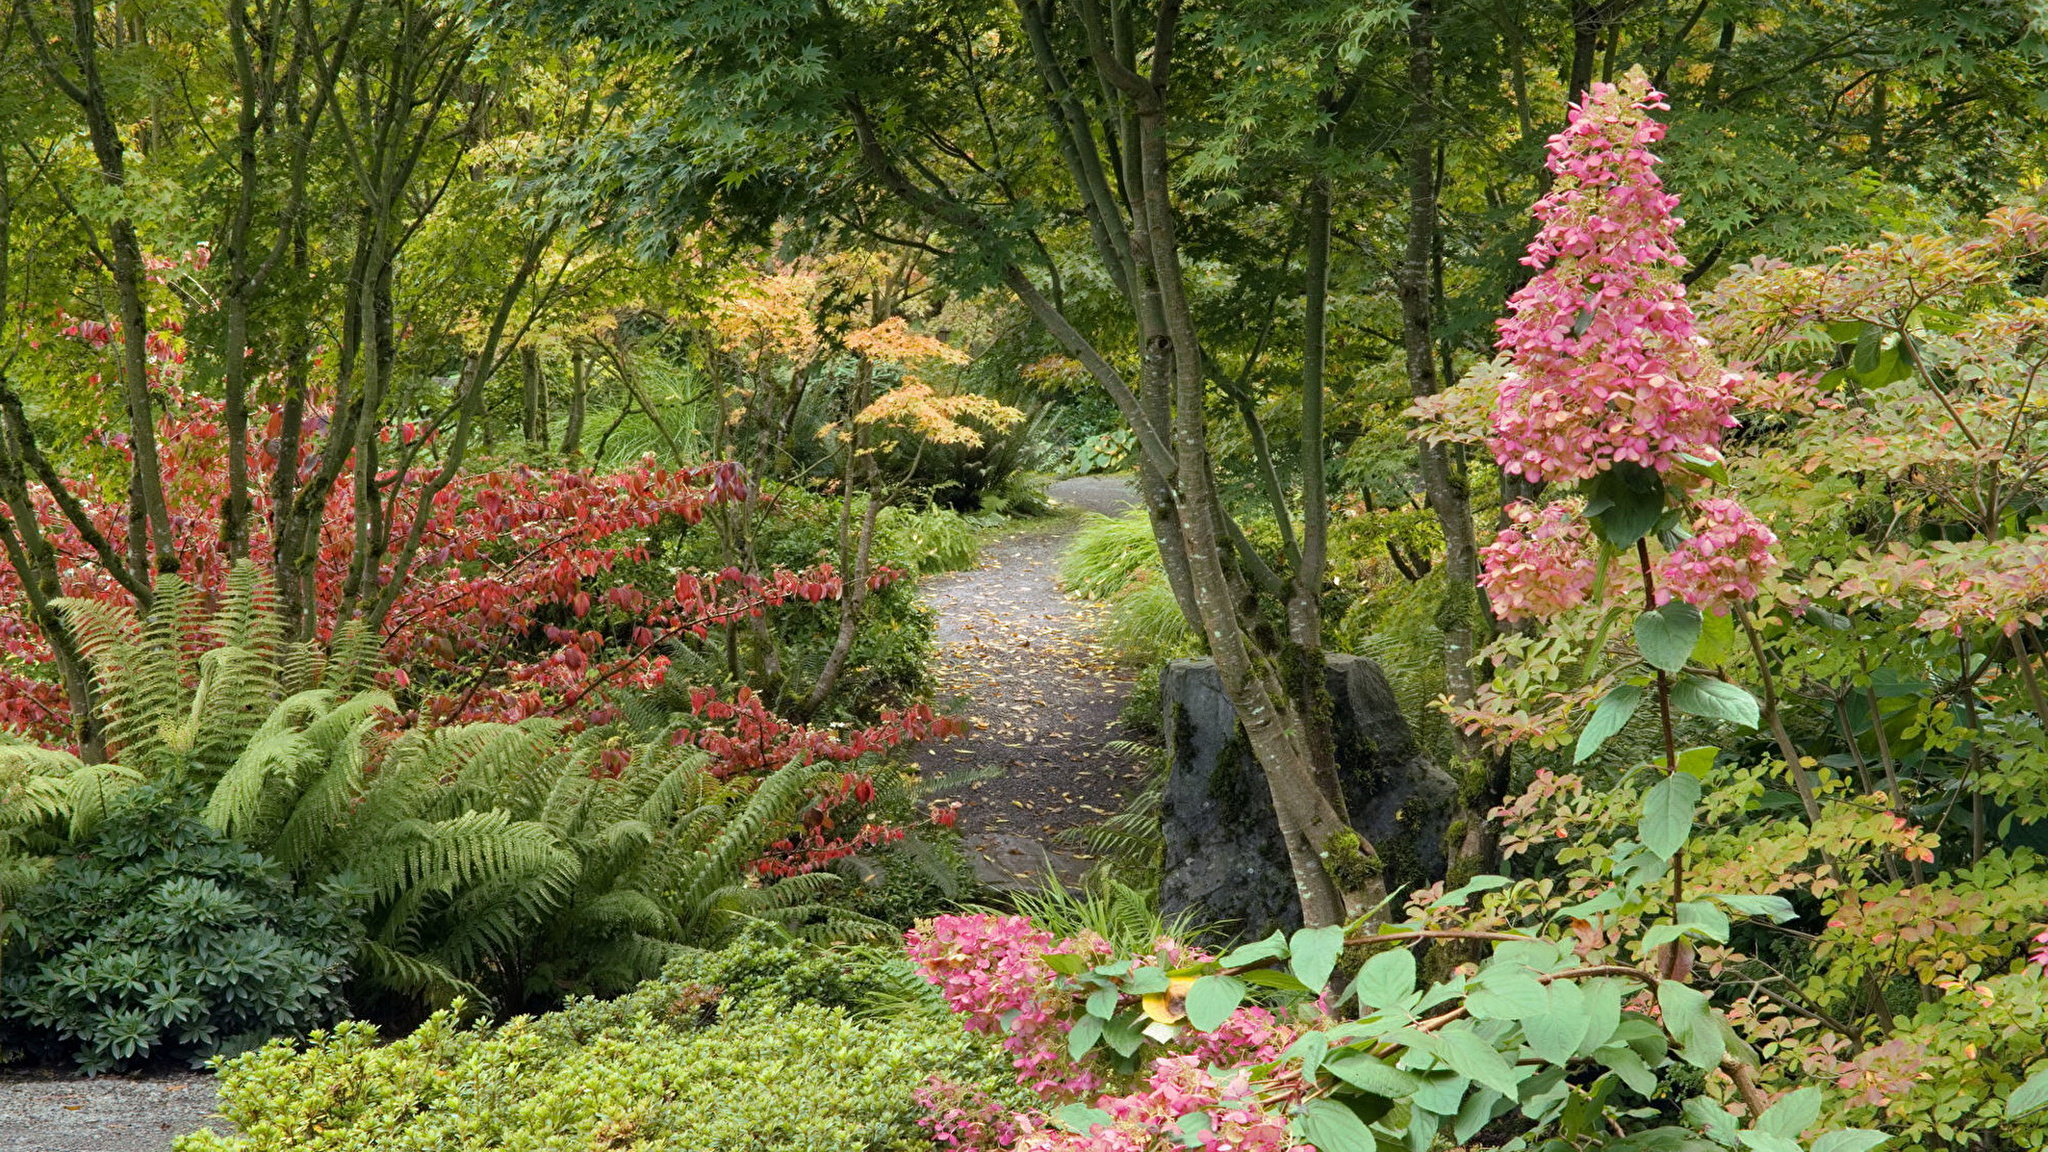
x: 42, y: 1113
x: 1018, y: 658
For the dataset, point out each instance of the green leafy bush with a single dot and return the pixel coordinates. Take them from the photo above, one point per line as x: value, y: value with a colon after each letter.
x: 160, y: 935
x: 752, y: 1048
x: 1145, y: 624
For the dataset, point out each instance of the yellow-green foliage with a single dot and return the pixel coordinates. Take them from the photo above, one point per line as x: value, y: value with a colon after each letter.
x: 1106, y: 553
x: 1145, y: 624
x: 670, y: 1068
x: 926, y: 540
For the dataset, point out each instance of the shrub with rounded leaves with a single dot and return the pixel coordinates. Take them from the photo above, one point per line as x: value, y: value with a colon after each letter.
x: 161, y: 936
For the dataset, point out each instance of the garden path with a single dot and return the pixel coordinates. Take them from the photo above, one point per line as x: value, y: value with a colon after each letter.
x: 1018, y: 658
x: 142, y: 1113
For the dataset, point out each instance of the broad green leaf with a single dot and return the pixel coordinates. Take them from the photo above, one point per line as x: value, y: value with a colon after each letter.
x: 1314, y: 954
x: 1102, y: 1002
x: 1124, y: 1034
x: 1849, y: 1140
x: 1698, y: 761
x: 1374, y: 1075
x: 2030, y: 1096
x: 1468, y: 1054
x: 1332, y: 1127
x: 1309, y: 1048
x: 1717, y: 640
x: 1609, y: 716
x: 1603, y: 1012
x: 1774, y: 908
x: 1081, y: 1119
x: 1147, y: 980
x: 1498, y: 995
x: 1793, y: 1113
x: 1191, y: 1128
x: 1848, y: 331
x: 1666, y: 636
x: 1630, y: 1067
x: 1273, y: 947
x: 1757, y: 1141
x: 1082, y: 1037
x: 1715, y: 700
x: 1624, y: 503
x: 1555, y: 1035
x: 1690, y: 1018
x: 1269, y: 978
x: 1667, y: 813
x: 1710, y: 920
x: 1386, y: 979
x: 1869, y: 346
x: 1066, y: 963
x: 1212, y: 999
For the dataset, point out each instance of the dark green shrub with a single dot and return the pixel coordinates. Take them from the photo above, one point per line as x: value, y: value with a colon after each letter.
x: 161, y: 936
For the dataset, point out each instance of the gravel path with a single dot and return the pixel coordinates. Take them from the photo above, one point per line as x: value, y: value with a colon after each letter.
x: 107, y: 1114
x: 1017, y: 657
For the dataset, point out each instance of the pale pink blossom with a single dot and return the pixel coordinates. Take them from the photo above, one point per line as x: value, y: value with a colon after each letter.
x: 1541, y: 564
x: 1725, y: 561
x: 1604, y: 364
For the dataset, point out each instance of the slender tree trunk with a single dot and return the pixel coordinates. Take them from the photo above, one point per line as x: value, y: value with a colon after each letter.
x: 532, y: 401
x: 579, y: 394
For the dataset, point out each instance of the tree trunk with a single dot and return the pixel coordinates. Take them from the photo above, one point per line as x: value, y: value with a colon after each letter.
x: 579, y: 394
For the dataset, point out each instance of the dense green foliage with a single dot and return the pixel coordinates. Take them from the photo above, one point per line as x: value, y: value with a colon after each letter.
x: 761, y: 1048
x: 160, y: 936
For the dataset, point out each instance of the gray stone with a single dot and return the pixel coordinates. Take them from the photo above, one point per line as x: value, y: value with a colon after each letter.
x: 1224, y: 859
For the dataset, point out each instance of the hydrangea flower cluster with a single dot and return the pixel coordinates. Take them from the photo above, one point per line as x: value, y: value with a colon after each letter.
x: 1541, y: 564
x: 992, y: 971
x: 1727, y: 558
x: 1604, y: 363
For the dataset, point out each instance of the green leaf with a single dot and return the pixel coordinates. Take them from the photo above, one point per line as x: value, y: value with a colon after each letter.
x: 1698, y: 761
x: 1774, y: 908
x: 1715, y: 700
x: 1268, y: 978
x: 1624, y: 503
x: 1273, y: 947
x: 1609, y: 717
x: 1476, y: 884
x: 1848, y: 331
x: 1315, y: 952
x: 1794, y: 1113
x: 1386, y: 979
x: 1708, y: 919
x: 1667, y: 814
x: 1666, y: 636
x: 1556, y: 1034
x: 1147, y: 980
x: 1102, y: 1002
x: 1309, y: 1048
x: 2030, y: 1096
x: 1086, y: 1031
x: 1124, y: 1034
x: 1715, y: 470
x: 1717, y: 640
x: 1690, y: 1018
x: 1630, y: 1067
x: 1081, y: 1119
x: 1500, y: 995
x: 1212, y: 999
x: 1191, y: 1128
x: 1066, y: 963
x: 1757, y: 1141
x: 1849, y: 1140
x: 1332, y: 1127
x: 1869, y: 346
x: 1603, y: 1012
x: 1468, y: 1054
x: 1374, y: 1075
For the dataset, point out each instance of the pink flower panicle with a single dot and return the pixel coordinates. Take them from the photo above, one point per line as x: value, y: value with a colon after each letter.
x: 992, y: 972
x: 1542, y: 564
x: 1604, y: 363
x: 1727, y: 558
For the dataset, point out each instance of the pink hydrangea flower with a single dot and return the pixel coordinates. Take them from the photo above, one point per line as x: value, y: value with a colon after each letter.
x: 1726, y: 560
x: 1541, y: 564
x: 1604, y: 362
x: 1179, y: 1086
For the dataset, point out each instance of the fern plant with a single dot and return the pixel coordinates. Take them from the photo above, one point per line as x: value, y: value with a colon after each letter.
x: 490, y: 861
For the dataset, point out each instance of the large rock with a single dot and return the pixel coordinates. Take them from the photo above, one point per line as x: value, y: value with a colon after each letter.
x: 1224, y: 860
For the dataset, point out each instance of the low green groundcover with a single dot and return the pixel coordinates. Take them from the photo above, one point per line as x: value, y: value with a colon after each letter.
x: 755, y: 1048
